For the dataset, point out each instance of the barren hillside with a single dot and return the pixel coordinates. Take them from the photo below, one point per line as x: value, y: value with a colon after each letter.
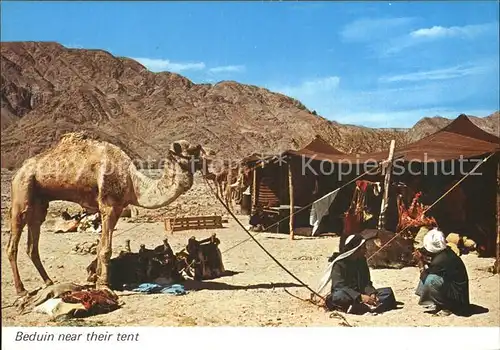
x: 48, y: 90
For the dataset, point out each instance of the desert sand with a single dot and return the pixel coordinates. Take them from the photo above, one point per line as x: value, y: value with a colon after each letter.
x: 254, y: 296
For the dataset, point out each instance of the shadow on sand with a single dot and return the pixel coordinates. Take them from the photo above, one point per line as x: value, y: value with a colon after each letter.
x: 399, y: 305
x: 472, y: 310
x: 212, y: 285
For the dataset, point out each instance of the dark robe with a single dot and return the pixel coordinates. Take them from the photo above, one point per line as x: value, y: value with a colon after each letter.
x: 450, y: 267
x: 350, y: 279
x: 353, y: 277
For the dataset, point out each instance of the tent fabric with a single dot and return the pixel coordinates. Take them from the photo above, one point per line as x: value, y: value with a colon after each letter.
x: 319, y: 145
x: 462, y: 126
x: 460, y: 138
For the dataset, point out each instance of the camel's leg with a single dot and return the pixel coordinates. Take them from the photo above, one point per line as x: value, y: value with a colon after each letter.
x: 219, y: 193
x: 229, y: 200
x: 222, y: 186
x: 237, y: 196
x: 17, y: 223
x: 110, y: 216
x: 36, y: 216
x: 216, y: 185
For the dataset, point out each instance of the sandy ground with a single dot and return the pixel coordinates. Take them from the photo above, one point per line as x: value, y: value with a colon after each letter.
x: 254, y: 296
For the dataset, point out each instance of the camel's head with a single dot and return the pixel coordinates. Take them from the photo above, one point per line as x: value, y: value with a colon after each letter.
x: 189, y: 156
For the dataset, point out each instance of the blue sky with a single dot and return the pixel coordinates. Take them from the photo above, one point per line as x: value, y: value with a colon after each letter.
x: 384, y: 64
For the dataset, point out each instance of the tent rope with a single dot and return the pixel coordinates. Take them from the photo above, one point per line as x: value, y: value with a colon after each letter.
x: 271, y: 256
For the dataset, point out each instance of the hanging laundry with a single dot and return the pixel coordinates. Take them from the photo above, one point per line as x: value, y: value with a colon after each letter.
x: 320, y: 208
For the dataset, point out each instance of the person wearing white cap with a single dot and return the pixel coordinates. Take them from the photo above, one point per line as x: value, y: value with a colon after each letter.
x: 444, y: 284
x: 352, y: 290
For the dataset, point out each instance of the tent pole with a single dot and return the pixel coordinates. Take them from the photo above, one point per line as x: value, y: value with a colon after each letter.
x: 385, y: 198
x: 254, y: 190
x: 290, y: 190
x: 496, y: 266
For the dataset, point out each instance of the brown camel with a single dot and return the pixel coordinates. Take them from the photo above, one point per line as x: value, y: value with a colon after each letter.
x: 219, y: 174
x: 100, y: 177
x: 242, y: 181
x: 229, y: 179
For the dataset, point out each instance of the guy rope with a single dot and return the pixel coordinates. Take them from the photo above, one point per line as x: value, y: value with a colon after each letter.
x: 335, y: 314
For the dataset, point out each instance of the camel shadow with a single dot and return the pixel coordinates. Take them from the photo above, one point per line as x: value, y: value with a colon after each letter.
x: 212, y: 285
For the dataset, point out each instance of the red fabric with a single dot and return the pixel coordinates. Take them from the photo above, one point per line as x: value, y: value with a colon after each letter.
x: 93, y: 300
x: 352, y: 223
x: 414, y: 216
x: 363, y: 185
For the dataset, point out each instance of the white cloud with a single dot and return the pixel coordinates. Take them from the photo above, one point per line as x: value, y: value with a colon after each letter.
x: 436, y: 74
x: 427, y: 35
x: 227, y: 69
x: 428, y: 94
x: 466, y: 32
x: 311, y: 87
x: 159, y: 65
x: 366, y: 29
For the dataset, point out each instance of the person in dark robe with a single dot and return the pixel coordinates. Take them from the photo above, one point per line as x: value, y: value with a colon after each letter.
x: 352, y: 290
x: 444, y: 284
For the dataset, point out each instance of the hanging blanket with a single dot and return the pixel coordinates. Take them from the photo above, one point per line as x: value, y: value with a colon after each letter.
x: 414, y: 216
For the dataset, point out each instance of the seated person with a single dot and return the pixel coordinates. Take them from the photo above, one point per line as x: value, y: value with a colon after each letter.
x: 352, y: 290
x: 257, y: 219
x: 444, y: 285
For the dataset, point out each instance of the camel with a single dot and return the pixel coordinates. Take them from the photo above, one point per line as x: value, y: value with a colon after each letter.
x: 221, y: 176
x: 242, y: 182
x: 236, y: 179
x: 229, y: 180
x: 101, y: 178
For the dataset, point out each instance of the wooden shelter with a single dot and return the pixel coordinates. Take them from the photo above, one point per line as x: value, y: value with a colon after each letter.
x: 280, y: 186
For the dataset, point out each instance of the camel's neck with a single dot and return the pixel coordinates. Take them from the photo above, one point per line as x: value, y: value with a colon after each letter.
x: 156, y: 193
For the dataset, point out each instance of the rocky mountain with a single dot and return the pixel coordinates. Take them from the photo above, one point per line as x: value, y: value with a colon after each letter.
x: 48, y: 90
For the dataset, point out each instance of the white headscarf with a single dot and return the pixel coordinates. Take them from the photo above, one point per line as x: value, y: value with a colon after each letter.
x: 328, y: 272
x: 434, y: 241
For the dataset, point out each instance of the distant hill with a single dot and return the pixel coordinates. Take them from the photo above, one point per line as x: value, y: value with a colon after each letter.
x: 48, y: 90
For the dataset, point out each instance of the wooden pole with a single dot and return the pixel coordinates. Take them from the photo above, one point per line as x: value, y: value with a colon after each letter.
x: 385, y: 198
x: 254, y: 191
x: 290, y: 190
x: 496, y: 266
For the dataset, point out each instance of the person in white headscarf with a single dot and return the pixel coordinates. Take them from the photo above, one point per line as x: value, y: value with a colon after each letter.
x: 352, y: 290
x: 444, y: 284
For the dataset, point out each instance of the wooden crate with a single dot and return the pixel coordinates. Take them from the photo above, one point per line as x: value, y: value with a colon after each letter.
x: 193, y: 223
